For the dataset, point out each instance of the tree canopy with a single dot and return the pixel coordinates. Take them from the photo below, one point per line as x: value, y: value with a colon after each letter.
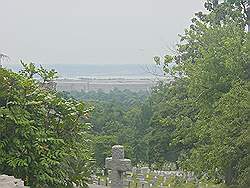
x: 44, y: 138
x: 213, y: 61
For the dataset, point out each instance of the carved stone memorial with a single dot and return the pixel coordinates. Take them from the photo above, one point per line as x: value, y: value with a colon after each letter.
x: 118, y: 166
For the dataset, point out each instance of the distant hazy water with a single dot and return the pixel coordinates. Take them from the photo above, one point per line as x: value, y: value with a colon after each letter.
x: 99, y: 71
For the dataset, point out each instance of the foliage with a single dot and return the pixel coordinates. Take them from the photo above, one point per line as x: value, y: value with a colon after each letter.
x: 212, y: 120
x: 43, y: 138
x: 102, y: 149
x: 119, y: 117
x: 171, y: 109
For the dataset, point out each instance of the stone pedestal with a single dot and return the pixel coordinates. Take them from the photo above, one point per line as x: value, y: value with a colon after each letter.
x: 11, y: 182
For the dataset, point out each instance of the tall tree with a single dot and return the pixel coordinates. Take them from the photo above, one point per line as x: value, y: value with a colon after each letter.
x: 44, y: 138
x: 212, y: 59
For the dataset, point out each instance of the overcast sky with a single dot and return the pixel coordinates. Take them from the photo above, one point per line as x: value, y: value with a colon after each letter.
x: 92, y: 31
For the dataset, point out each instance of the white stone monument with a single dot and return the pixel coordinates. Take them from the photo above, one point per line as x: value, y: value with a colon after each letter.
x: 118, y: 165
x: 11, y: 182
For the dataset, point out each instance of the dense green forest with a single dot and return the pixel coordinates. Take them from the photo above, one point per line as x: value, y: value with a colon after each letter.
x: 199, y: 121
x: 118, y: 117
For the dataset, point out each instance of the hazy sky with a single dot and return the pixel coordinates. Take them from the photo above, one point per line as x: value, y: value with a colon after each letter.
x: 92, y: 31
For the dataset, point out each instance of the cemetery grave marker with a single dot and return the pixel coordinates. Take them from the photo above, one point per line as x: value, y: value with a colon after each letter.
x: 118, y: 165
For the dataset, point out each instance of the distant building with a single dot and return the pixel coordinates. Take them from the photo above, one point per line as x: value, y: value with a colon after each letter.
x: 103, y: 84
x: 50, y: 85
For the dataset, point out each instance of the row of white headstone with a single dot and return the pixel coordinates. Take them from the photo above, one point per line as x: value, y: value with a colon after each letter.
x: 119, y: 165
